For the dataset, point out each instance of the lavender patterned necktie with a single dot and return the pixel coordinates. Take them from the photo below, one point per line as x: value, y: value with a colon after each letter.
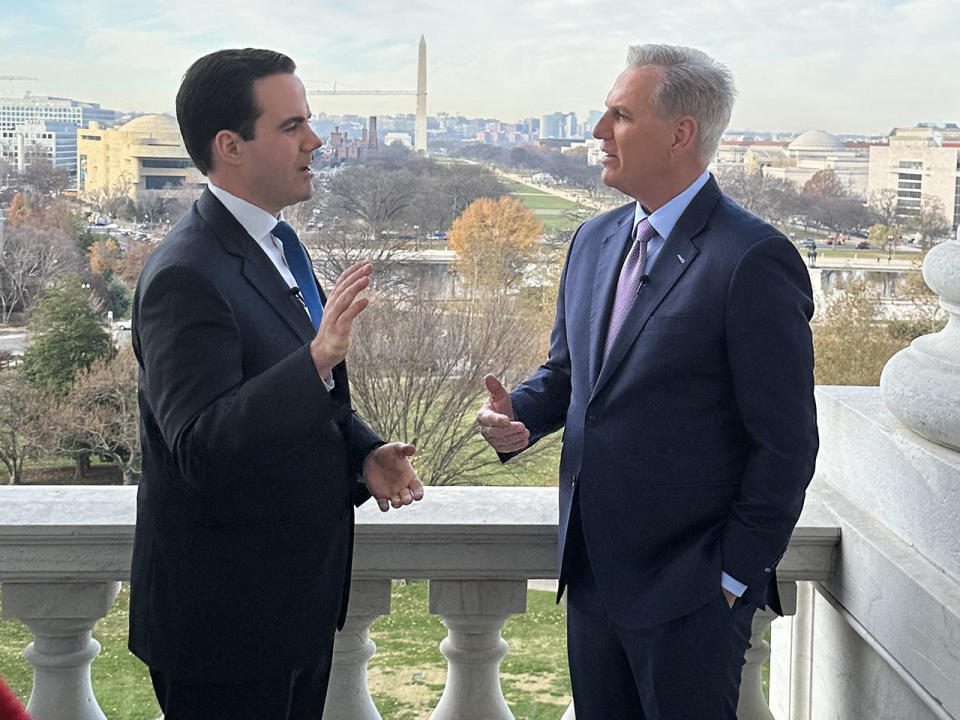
x: 628, y: 285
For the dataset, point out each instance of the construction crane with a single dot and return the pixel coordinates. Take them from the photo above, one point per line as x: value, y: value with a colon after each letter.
x: 335, y: 91
x: 17, y: 77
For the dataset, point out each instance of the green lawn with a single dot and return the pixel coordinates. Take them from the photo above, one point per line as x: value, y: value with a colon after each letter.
x: 536, y: 199
x: 543, y: 201
x: 555, y: 223
x: 406, y: 675
x: 120, y: 681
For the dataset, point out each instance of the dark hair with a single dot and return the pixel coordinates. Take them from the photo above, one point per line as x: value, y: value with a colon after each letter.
x: 217, y: 94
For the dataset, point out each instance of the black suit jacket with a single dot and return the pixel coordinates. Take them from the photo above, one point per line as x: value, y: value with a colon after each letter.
x: 250, y: 466
x: 691, y: 447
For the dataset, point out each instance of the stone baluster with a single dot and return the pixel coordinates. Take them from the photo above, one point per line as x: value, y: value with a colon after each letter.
x: 801, y: 665
x: 474, y: 612
x: 348, y: 697
x: 752, y: 705
x: 921, y: 383
x: 61, y: 617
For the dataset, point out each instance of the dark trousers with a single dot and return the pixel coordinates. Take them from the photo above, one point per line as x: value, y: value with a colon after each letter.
x: 685, y: 669
x: 289, y: 695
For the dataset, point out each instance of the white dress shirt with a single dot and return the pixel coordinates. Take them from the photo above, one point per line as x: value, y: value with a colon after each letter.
x: 259, y: 225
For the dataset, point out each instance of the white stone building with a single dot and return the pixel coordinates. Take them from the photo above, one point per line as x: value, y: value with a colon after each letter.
x: 917, y: 162
x: 801, y: 158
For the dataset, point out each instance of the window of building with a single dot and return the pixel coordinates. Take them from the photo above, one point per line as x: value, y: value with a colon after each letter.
x: 166, y: 163
x: 159, y: 182
x: 911, y: 164
x: 956, y: 205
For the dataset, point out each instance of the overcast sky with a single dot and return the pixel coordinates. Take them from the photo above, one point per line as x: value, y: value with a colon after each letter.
x: 845, y: 66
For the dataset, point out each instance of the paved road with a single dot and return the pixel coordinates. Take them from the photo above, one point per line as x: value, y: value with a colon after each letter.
x: 13, y: 342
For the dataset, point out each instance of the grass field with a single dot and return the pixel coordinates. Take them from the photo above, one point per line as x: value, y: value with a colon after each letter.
x: 536, y: 199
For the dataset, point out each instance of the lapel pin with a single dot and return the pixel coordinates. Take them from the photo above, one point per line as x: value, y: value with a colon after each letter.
x: 680, y: 258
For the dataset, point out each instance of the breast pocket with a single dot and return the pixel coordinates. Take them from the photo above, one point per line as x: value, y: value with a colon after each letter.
x: 676, y: 324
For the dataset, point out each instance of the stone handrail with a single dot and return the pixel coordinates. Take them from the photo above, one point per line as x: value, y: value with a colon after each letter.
x: 64, y: 550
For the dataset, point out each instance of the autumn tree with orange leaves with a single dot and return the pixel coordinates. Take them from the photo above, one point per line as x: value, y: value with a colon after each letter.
x: 494, y: 240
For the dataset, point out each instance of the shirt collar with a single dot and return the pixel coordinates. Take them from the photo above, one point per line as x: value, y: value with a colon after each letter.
x: 664, y: 218
x: 255, y: 220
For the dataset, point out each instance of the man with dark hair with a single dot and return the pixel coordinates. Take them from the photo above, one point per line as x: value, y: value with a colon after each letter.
x: 253, y: 458
x: 681, y: 369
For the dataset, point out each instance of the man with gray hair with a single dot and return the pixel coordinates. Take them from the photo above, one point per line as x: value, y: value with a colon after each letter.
x: 681, y: 369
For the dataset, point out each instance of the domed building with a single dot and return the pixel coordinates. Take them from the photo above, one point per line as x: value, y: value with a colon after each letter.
x: 815, y: 142
x: 816, y: 150
x: 143, y: 158
x: 801, y: 158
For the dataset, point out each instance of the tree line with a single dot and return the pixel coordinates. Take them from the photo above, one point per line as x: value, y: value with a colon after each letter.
x: 824, y: 203
x: 420, y: 354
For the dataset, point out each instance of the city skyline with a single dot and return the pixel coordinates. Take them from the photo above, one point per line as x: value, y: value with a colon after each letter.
x: 862, y: 66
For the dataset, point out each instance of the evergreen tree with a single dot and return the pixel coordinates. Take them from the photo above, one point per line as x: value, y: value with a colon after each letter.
x: 68, y: 335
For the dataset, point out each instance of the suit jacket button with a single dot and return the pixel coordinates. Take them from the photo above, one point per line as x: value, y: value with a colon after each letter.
x: 591, y: 419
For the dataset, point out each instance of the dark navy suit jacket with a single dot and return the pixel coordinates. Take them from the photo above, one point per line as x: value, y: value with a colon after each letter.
x: 691, y: 447
x: 241, y: 559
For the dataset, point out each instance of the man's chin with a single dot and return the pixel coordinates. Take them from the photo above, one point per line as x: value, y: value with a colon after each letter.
x: 609, y: 178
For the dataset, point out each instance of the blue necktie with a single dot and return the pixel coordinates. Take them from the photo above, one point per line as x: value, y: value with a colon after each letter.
x: 299, y: 264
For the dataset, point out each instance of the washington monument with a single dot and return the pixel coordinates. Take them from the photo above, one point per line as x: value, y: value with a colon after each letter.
x: 420, y: 126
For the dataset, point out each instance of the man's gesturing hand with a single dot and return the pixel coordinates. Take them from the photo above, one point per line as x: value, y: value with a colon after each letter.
x: 330, y: 345
x: 390, y: 477
x: 497, y: 423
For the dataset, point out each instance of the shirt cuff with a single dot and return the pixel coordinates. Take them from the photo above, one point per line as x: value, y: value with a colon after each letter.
x: 733, y: 585
x: 328, y: 384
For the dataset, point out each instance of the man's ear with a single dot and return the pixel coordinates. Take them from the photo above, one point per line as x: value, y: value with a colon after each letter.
x: 225, y: 150
x: 685, y: 132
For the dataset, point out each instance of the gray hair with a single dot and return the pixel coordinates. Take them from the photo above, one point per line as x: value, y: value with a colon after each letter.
x: 690, y: 83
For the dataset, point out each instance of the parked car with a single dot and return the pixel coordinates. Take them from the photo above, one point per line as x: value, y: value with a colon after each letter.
x: 863, y: 245
x: 808, y: 243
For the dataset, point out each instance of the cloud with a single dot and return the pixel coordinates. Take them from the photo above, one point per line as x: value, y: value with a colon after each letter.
x: 843, y: 65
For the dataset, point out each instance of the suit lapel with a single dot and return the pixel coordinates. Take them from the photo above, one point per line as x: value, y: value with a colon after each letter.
x: 613, y: 249
x: 262, y: 274
x: 676, y: 256
x: 257, y: 268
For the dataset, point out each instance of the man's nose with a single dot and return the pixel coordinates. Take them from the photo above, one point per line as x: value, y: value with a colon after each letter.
x: 599, y: 130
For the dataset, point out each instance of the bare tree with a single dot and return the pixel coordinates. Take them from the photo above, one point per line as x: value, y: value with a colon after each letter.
x: 114, y: 199
x: 417, y: 371
x: 32, y: 258
x: 930, y: 223
x: 825, y: 183
x: 884, y: 205
x: 839, y: 213
x: 100, y: 413
x: 444, y: 192
x: 40, y: 174
x: 773, y: 199
x: 22, y: 414
x: 372, y: 195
